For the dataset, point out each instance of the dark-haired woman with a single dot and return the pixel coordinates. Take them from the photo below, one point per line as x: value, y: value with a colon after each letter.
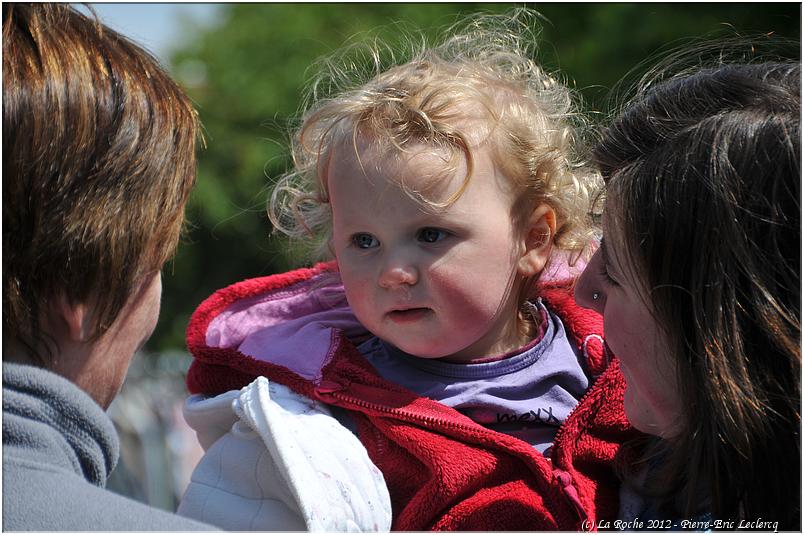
x: 698, y: 278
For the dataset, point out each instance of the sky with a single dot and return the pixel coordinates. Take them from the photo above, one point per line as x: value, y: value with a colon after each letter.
x: 153, y: 26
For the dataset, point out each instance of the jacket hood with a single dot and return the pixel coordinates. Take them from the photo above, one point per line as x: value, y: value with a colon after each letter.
x: 273, y: 320
x: 270, y: 321
x: 277, y: 326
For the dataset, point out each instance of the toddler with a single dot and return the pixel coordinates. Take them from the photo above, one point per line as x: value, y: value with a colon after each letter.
x: 449, y: 192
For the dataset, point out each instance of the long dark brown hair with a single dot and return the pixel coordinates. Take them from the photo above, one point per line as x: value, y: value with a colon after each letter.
x: 703, y: 175
x: 98, y: 162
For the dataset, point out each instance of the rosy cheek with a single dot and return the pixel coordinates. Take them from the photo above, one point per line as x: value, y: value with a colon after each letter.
x: 466, y: 292
x: 358, y: 291
x: 352, y: 268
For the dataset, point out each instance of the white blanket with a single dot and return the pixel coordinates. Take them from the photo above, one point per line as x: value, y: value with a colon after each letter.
x: 278, y: 461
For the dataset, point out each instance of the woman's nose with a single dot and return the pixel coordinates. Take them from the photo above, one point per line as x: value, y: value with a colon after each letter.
x: 588, y: 293
x: 396, y: 273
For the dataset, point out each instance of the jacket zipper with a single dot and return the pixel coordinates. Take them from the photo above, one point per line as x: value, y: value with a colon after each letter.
x: 567, y: 483
x: 564, y: 478
x: 402, y: 414
x: 589, y: 391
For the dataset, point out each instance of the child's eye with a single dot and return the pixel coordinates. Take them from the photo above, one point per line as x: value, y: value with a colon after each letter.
x: 365, y: 241
x: 431, y: 235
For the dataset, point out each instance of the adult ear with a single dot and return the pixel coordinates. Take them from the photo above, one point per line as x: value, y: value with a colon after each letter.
x: 540, y: 228
x: 75, y: 317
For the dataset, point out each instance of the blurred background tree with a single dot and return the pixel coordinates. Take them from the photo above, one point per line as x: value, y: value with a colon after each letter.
x: 247, y: 74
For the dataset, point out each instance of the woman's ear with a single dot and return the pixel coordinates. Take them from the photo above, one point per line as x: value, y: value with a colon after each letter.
x: 75, y: 317
x: 540, y: 228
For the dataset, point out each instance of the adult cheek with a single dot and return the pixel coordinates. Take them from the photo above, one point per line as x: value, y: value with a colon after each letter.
x: 648, y: 406
x: 151, y: 309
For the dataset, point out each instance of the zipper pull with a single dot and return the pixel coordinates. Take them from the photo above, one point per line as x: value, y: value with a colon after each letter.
x: 568, y: 486
x: 328, y: 387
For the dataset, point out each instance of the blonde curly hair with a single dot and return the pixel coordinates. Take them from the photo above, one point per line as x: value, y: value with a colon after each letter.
x: 423, y: 96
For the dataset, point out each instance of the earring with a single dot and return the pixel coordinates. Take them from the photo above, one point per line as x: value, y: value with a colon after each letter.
x: 595, y: 296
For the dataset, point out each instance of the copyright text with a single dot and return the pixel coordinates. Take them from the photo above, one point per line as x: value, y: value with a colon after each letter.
x: 694, y: 525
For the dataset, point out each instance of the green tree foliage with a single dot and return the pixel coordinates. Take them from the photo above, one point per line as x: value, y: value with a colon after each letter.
x: 247, y: 74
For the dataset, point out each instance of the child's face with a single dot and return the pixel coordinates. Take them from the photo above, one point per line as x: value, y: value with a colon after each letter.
x: 633, y: 334
x: 432, y: 284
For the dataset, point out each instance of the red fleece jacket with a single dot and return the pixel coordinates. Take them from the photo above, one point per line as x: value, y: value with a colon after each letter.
x: 443, y: 470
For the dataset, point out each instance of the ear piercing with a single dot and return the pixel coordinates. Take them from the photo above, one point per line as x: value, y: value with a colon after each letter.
x: 595, y: 296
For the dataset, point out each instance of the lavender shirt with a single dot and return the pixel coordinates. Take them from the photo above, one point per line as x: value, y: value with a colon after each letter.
x: 527, y: 395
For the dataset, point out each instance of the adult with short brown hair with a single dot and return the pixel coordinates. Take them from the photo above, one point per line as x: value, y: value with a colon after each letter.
x: 98, y: 162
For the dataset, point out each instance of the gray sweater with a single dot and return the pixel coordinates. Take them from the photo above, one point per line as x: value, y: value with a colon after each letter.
x: 59, y: 447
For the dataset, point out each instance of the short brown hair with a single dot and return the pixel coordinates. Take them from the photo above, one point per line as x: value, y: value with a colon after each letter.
x: 98, y: 162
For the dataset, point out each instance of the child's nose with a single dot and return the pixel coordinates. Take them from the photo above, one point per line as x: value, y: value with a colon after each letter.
x: 395, y: 274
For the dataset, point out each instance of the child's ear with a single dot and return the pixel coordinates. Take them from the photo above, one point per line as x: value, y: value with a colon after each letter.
x: 540, y: 228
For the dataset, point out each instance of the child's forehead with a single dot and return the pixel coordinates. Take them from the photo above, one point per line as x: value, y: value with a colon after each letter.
x: 419, y: 166
x: 470, y: 132
x: 434, y: 177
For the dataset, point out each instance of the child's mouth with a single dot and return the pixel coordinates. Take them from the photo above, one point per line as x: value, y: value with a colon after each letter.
x: 408, y: 315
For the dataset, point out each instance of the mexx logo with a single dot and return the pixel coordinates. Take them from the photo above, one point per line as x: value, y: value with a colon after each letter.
x: 543, y: 415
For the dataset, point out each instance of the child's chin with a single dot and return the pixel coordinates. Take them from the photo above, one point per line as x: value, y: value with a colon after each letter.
x: 422, y: 352
x: 429, y: 357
